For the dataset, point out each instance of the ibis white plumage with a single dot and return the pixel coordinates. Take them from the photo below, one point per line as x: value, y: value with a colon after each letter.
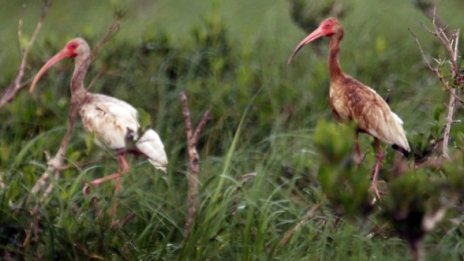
x: 113, y: 122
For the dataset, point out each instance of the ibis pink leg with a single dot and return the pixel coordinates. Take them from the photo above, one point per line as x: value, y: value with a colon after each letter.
x: 124, y: 168
x: 379, y: 155
x: 358, y: 156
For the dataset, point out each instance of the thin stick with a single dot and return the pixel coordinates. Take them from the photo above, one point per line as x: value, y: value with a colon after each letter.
x: 450, y: 41
x: 56, y: 164
x: 449, y: 121
x: 452, y: 101
x: 243, y: 180
x: 96, y: 78
x: 112, y: 30
x: 289, y: 234
x: 11, y: 91
x: 110, y: 33
x: 435, y: 70
x: 430, y: 10
x: 194, y: 161
x: 440, y: 33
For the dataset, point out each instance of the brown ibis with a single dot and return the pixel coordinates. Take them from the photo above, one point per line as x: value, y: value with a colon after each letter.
x: 352, y: 100
x: 111, y: 121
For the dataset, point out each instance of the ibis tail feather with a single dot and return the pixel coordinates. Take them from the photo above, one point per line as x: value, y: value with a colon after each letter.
x: 151, y: 145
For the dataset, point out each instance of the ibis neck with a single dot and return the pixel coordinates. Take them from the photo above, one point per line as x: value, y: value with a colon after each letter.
x: 334, y: 64
x: 78, y: 91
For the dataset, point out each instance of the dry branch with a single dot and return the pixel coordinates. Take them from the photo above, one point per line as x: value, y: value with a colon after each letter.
x: 450, y: 40
x: 112, y: 30
x: 56, y: 163
x: 11, y: 91
x: 289, y: 234
x: 243, y: 180
x: 54, y: 167
x: 429, y: 10
x: 446, y: 84
x: 193, y: 163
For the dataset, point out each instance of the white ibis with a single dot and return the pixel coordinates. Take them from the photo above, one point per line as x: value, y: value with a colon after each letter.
x: 113, y: 122
x: 353, y: 101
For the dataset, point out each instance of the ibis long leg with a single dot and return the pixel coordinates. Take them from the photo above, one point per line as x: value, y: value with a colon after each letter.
x: 124, y: 168
x: 358, y: 156
x: 379, y: 155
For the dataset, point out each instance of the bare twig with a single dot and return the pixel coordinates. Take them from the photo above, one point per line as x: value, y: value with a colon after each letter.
x: 451, y: 48
x: 194, y: 161
x: 289, y: 234
x: 112, y: 30
x: 435, y: 70
x: 449, y: 121
x: 450, y: 40
x: 429, y: 10
x: 11, y: 91
x: 243, y: 180
x: 97, y: 77
x: 56, y: 163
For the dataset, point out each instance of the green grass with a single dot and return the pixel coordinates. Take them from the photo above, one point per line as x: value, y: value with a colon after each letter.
x: 230, y: 57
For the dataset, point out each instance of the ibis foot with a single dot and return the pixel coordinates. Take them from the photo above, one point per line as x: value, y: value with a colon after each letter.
x: 373, y: 189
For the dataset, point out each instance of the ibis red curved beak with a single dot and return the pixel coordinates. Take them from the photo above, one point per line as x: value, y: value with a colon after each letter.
x: 65, y: 53
x: 311, y: 37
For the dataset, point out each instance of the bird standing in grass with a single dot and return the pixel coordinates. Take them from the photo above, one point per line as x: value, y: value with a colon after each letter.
x: 353, y: 101
x: 113, y: 122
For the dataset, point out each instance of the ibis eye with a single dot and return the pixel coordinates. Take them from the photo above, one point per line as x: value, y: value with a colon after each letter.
x: 73, y: 46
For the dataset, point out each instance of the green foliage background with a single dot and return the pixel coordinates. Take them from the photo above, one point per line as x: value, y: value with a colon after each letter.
x: 230, y: 57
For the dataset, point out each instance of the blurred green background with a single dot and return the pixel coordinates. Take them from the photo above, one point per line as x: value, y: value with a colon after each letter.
x: 230, y: 57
